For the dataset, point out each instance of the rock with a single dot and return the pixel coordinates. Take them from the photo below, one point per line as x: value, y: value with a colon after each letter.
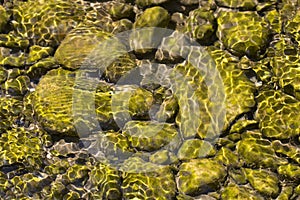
x: 195, y: 148
x: 200, y: 176
x: 246, y: 5
x: 227, y: 157
x: 144, y: 3
x: 276, y: 106
x: 37, y: 53
x: 239, y: 192
x: 263, y: 181
x: 291, y: 171
x: 18, y: 86
x: 149, y: 136
x: 249, y: 26
x: 78, y: 46
x: 23, y: 146
x: 143, y: 180
x: 53, y: 103
x: 257, y: 152
x: 153, y: 17
x: 3, y: 18
x: 284, y: 55
x: 200, y: 25
x: 10, y: 111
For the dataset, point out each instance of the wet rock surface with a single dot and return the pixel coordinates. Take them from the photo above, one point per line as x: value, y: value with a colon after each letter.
x: 86, y: 115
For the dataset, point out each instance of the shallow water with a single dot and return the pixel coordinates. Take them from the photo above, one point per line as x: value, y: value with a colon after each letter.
x: 153, y: 99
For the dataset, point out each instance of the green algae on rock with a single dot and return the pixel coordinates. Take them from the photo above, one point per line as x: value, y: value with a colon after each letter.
x: 200, y: 25
x: 10, y: 111
x: 23, y: 146
x: 195, y: 148
x: 3, y: 18
x: 153, y: 17
x: 53, y: 102
x: 149, y: 136
x: 45, y: 23
x: 145, y: 180
x: 278, y: 114
x: 239, y: 193
x: 257, y: 152
x: 263, y: 181
x: 200, y: 176
x: 242, y: 4
x: 243, y: 33
x: 78, y: 45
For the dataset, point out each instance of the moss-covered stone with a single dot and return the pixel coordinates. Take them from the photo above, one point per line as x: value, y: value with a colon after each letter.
x: 149, y: 136
x: 18, y: 86
x: 247, y: 5
x: 143, y: 3
x: 3, y: 18
x: 257, y: 152
x: 143, y: 180
x: 200, y: 176
x: 53, y: 102
x: 227, y: 157
x: 37, y: 70
x: 38, y: 52
x: 243, y: 33
x: 153, y: 17
x: 104, y: 182
x: 10, y: 111
x: 78, y: 45
x: 195, y: 148
x: 277, y: 113
x: 30, y: 21
x: 288, y: 150
x: 284, y: 57
x: 263, y: 181
x: 200, y: 25
x: 239, y: 192
x: 291, y: 171
x: 23, y: 146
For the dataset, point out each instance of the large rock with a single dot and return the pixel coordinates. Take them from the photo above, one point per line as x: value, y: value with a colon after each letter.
x: 243, y: 33
x: 200, y: 176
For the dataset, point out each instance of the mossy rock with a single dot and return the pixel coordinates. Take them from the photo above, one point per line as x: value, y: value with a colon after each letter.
x: 149, y: 136
x: 18, y: 86
x: 78, y: 45
x: 284, y: 58
x: 23, y: 146
x: 246, y: 5
x: 263, y: 181
x: 53, y: 102
x: 30, y: 21
x: 144, y: 3
x: 277, y: 113
x: 104, y: 181
x: 200, y: 176
x: 195, y: 148
x: 292, y: 25
x: 40, y: 68
x: 240, y: 192
x: 3, y: 18
x: 10, y: 112
x: 37, y: 53
x: 200, y: 25
x: 290, y: 171
x: 238, y: 90
x: 247, y: 25
x: 289, y: 150
x: 144, y: 180
x: 153, y: 17
x: 258, y: 152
